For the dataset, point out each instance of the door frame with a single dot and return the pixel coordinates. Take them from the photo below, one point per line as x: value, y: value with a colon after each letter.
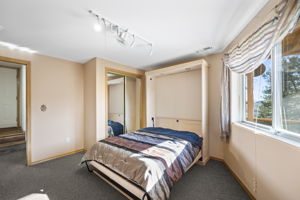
x: 129, y: 74
x: 28, y: 103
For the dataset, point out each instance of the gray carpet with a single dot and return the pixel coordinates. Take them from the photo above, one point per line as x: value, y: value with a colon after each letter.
x: 64, y: 179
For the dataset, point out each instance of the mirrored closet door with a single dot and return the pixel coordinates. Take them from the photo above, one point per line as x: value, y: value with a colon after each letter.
x: 123, y: 103
x: 116, y: 104
x: 132, y: 103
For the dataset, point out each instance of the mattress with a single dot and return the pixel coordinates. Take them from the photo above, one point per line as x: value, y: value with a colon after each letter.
x: 151, y: 158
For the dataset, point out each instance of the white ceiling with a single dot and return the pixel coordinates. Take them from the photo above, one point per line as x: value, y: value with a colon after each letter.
x: 177, y: 29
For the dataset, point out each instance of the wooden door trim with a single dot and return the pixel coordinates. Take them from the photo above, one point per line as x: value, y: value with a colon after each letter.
x: 18, y: 98
x: 142, y: 97
x: 28, y: 102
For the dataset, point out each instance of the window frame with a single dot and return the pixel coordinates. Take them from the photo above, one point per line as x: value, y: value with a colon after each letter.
x: 255, y: 125
x: 276, y: 82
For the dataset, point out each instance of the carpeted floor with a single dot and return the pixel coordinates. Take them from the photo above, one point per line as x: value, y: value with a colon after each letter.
x: 64, y: 179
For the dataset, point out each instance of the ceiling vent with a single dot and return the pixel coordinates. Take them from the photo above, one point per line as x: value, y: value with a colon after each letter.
x: 206, y: 48
x: 201, y: 51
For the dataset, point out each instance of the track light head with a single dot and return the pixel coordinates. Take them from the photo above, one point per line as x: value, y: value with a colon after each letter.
x: 97, y: 27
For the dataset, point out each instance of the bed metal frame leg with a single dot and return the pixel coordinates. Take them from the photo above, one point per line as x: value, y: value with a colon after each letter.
x: 88, y: 168
x: 146, y: 196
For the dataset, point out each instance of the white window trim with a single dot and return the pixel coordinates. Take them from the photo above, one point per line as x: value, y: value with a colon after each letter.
x: 276, y: 82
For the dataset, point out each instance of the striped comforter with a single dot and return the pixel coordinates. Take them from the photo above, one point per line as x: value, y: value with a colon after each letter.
x: 152, y: 158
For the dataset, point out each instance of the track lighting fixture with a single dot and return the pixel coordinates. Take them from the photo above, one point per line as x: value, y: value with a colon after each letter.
x: 123, y: 36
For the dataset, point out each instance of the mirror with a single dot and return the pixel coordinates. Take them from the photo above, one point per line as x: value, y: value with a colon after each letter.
x: 123, y: 103
x: 116, y: 104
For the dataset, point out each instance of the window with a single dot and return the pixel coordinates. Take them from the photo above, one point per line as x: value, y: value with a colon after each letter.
x: 258, y: 95
x: 272, y: 91
x: 290, y: 82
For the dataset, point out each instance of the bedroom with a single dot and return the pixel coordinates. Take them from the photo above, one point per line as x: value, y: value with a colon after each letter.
x: 173, y: 54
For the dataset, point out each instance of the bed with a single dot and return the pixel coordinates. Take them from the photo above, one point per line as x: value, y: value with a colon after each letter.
x: 144, y: 164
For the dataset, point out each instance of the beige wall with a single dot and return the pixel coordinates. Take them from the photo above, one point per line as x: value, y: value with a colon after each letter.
x: 59, y: 85
x: 268, y: 166
x: 89, y: 103
x: 216, y: 145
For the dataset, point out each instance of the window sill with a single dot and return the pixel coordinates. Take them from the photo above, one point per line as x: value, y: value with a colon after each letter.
x: 284, y: 137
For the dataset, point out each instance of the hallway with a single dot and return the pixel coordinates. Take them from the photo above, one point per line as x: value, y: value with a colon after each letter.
x: 11, y: 136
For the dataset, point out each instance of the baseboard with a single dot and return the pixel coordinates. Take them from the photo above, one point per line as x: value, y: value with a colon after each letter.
x: 235, y: 176
x: 218, y: 159
x: 55, y: 157
x: 203, y: 162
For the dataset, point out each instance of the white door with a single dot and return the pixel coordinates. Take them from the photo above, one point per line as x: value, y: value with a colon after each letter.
x: 8, y: 97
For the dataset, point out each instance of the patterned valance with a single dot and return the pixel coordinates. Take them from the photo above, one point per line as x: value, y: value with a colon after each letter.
x: 249, y: 54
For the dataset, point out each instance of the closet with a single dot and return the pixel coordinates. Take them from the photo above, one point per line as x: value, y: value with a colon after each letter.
x: 123, y: 103
x: 176, y: 98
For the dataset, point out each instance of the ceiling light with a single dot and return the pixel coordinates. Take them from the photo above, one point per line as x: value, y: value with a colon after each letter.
x: 123, y: 35
x: 97, y: 27
x: 16, y: 47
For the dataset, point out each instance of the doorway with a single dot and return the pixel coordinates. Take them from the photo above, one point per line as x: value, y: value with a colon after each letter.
x: 14, y: 106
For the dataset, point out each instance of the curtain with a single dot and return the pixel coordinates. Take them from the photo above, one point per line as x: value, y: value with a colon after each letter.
x: 225, y: 103
x: 248, y: 55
